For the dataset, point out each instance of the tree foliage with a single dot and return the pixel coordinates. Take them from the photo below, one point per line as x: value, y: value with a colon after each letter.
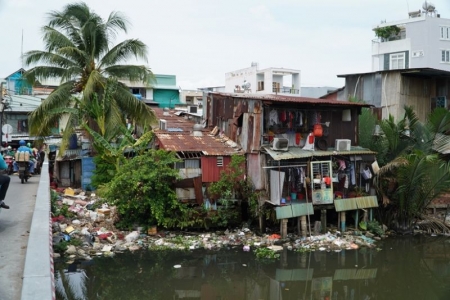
x: 416, y: 171
x: 79, y: 51
x: 143, y: 193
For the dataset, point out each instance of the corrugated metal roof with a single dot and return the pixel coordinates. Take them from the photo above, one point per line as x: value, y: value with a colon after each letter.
x: 175, y: 121
x: 367, y: 202
x: 294, y: 210
x: 207, y: 144
x: 415, y: 71
x: 302, y: 209
x: 355, y: 203
x: 345, y: 204
x: 297, y: 152
x: 293, y: 99
x: 283, y: 212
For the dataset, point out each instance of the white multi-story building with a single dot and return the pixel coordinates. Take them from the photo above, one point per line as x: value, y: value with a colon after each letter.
x: 421, y: 41
x: 266, y: 81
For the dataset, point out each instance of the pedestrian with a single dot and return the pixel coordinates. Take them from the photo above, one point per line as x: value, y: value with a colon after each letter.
x: 4, y: 183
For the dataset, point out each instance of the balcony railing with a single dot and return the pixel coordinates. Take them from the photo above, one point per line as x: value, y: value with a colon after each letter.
x: 285, y: 90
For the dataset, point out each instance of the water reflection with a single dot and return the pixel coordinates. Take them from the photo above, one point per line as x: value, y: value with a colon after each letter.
x: 404, y: 268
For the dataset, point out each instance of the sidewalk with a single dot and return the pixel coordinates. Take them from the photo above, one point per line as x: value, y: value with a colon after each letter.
x: 15, y: 224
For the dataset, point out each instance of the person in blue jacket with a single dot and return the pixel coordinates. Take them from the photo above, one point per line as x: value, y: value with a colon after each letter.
x: 4, y: 183
x: 24, y: 148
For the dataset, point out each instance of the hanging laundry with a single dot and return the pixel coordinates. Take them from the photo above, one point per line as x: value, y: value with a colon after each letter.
x: 346, y: 182
x: 352, y: 174
x: 273, y: 117
x: 299, y: 118
x: 283, y: 116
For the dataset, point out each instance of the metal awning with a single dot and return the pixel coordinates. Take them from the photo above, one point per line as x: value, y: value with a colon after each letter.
x: 355, y: 203
x: 297, y: 152
x: 294, y: 210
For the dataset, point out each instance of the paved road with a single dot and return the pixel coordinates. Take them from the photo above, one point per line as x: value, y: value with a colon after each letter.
x: 14, y: 230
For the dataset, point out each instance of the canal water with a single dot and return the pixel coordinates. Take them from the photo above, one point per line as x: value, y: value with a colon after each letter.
x: 399, y: 268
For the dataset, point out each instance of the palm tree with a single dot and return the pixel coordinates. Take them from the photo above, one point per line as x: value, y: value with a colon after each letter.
x: 417, y: 171
x: 79, y: 51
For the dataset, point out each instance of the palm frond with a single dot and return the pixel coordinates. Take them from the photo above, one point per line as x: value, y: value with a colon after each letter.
x: 40, y: 118
x: 132, y: 48
x: 134, y: 108
x: 94, y: 82
x: 48, y: 58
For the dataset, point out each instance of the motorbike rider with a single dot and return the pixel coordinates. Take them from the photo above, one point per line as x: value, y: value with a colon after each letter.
x: 24, y: 148
x: 10, y: 151
x: 4, y: 184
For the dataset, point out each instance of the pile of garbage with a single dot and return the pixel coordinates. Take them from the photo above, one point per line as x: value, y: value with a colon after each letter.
x: 90, y: 232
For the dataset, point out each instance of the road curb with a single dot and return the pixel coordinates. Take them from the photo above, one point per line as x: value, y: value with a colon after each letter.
x: 38, y: 274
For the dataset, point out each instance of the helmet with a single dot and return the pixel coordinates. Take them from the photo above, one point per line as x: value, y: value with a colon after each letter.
x: 9, y: 148
x: 22, y: 143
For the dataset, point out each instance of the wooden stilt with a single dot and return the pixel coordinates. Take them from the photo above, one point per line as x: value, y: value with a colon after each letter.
x: 342, y: 221
x: 303, y: 226
x: 323, y: 220
x: 284, y: 228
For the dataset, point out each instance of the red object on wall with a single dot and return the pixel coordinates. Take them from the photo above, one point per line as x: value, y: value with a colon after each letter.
x: 298, y: 138
x: 311, y: 139
x: 318, y: 130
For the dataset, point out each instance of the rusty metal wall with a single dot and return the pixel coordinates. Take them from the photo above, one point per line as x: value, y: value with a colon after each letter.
x: 255, y: 162
x: 210, y: 170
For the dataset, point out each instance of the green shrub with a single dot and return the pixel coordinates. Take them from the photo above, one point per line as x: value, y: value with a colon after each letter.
x: 142, y: 191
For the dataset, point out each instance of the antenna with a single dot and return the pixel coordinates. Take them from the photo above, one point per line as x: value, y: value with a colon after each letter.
x: 21, y: 50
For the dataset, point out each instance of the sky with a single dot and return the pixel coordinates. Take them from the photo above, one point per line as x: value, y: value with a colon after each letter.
x: 201, y: 40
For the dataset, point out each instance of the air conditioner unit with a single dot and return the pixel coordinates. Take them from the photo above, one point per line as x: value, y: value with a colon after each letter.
x: 280, y: 144
x: 192, y: 109
x: 342, y: 145
x: 163, y: 124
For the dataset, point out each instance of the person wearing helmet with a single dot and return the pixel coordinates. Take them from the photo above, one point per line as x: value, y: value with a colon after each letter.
x: 4, y: 183
x: 10, y: 151
x: 24, y: 148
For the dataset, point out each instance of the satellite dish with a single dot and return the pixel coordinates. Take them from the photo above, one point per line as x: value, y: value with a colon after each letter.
x: 246, y: 85
x: 428, y: 6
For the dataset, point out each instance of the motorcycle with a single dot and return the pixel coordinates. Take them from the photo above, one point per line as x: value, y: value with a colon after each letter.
x: 23, y: 162
x: 9, y: 160
x: 24, y: 171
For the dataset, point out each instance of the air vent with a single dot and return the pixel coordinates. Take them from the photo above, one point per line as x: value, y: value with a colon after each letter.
x: 342, y: 145
x: 163, y: 124
x: 280, y: 144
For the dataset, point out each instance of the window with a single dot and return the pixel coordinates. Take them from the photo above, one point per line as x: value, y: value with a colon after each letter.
x: 445, y: 56
x: 397, y: 61
x: 220, y: 161
x: 445, y: 33
x: 260, y: 85
x: 179, y: 165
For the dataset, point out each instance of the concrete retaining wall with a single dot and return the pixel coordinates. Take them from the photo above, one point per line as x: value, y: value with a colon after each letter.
x: 38, y: 275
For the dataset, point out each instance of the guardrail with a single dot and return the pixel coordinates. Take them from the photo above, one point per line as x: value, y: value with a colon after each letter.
x: 38, y: 275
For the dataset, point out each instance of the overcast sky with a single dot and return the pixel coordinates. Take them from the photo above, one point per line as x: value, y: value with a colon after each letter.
x: 200, y: 40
